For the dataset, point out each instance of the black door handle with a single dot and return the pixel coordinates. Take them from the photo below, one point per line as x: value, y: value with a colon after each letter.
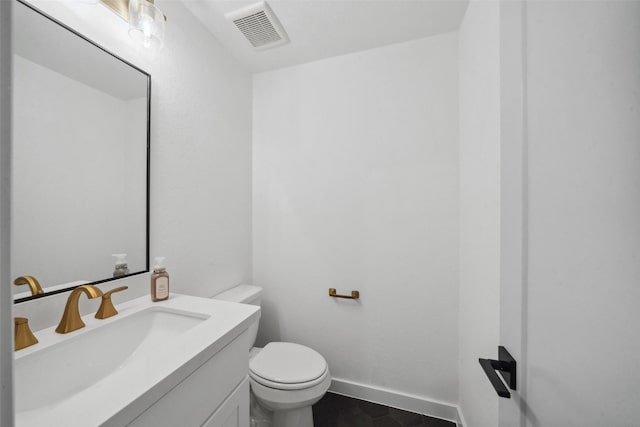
x: 506, y: 364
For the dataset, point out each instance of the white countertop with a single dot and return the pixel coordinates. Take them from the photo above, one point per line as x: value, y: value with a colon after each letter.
x: 119, y: 397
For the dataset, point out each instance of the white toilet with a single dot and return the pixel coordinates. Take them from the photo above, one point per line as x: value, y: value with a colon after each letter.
x: 285, y: 378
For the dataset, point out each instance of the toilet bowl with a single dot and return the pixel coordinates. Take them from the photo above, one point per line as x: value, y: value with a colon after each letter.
x: 285, y: 378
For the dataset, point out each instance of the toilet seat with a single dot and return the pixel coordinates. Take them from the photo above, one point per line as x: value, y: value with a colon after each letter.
x: 287, y: 386
x: 288, y: 366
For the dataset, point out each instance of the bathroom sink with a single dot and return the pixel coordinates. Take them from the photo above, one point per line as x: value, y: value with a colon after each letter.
x: 59, y: 371
x: 112, y: 364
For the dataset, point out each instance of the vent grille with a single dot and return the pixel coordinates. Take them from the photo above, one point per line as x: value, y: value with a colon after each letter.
x: 258, y: 29
x: 259, y: 25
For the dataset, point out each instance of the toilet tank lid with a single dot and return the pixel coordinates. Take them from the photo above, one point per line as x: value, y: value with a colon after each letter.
x: 241, y: 293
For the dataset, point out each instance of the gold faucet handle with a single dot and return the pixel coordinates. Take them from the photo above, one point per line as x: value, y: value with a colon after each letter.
x: 35, y: 287
x: 107, y: 309
x: 23, y: 337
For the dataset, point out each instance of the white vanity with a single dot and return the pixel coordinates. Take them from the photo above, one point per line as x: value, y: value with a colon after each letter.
x: 182, y: 362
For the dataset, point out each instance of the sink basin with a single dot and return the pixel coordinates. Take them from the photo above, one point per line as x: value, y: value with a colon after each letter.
x: 120, y: 360
x: 60, y: 371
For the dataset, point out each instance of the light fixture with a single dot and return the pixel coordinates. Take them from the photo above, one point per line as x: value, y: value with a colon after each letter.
x: 146, y: 21
x: 146, y: 24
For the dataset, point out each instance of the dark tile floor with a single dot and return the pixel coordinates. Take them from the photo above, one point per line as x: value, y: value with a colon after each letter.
x: 334, y: 410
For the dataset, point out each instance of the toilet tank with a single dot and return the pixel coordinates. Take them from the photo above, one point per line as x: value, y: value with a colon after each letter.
x: 245, y: 294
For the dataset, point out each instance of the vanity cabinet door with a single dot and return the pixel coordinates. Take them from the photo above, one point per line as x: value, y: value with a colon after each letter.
x: 234, y: 412
x: 192, y: 401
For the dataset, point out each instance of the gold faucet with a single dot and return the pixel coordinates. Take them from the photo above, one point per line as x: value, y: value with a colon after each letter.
x: 35, y: 287
x: 107, y: 309
x: 71, y: 319
x: 23, y: 337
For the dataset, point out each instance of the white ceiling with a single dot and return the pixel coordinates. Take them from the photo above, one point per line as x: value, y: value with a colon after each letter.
x: 325, y: 28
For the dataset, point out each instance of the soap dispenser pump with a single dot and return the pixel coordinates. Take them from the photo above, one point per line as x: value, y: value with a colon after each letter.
x: 159, y: 281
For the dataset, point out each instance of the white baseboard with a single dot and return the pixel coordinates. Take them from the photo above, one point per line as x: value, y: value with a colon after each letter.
x: 397, y: 399
x: 461, y: 422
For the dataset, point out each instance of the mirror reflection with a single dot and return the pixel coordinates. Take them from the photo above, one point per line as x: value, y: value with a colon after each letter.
x: 79, y: 160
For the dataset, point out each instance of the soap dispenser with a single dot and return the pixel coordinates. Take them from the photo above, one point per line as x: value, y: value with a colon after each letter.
x: 122, y: 267
x: 159, y: 281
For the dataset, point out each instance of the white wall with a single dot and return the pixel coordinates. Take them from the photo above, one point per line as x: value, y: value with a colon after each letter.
x: 355, y: 186
x: 200, y: 147
x: 513, y: 191
x: 479, y: 96
x: 583, y: 90
x: 200, y: 160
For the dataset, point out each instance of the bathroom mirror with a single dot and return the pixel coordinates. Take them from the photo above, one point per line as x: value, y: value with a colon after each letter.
x: 80, y: 158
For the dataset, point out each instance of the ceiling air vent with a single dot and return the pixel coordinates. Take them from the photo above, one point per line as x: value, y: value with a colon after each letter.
x: 259, y: 25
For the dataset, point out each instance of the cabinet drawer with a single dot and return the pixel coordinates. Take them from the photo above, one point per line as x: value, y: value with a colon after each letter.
x: 192, y: 401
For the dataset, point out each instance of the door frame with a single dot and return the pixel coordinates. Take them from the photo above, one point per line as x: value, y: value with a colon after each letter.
x: 513, y: 203
x: 6, y: 297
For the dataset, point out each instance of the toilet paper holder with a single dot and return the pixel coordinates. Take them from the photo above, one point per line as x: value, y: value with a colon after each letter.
x: 335, y: 294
